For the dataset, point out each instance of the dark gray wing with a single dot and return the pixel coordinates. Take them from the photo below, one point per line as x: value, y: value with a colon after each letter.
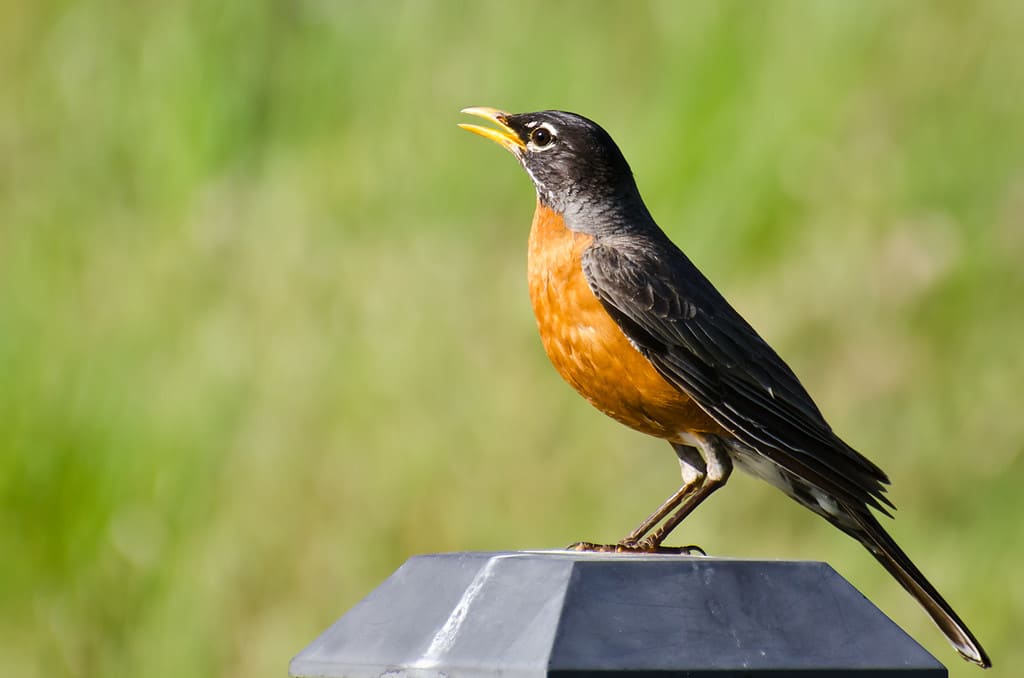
x: 700, y: 344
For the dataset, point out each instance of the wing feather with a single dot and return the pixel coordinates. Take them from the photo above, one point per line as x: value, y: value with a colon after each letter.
x: 700, y: 344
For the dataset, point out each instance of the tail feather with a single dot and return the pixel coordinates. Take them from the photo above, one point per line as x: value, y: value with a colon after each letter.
x: 874, y: 537
x: 857, y: 520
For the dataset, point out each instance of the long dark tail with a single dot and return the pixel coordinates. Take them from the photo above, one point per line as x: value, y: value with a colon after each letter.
x: 891, y: 556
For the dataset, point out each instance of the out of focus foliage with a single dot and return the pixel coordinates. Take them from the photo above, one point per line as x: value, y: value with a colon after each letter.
x: 263, y: 322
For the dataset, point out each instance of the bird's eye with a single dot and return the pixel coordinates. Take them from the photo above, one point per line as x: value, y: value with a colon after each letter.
x: 541, y: 137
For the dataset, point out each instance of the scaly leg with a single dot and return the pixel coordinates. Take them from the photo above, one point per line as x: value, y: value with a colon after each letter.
x: 717, y: 466
x: 705, y: 468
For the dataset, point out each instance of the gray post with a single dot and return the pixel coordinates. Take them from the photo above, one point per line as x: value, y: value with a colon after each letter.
x: 560, y: 613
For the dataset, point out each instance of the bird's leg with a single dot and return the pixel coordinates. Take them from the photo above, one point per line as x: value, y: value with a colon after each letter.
x: 704, y: 470
x: 717, y: 466
x: 632, y: 543
x: 693, y: 469
x: 662, y: 511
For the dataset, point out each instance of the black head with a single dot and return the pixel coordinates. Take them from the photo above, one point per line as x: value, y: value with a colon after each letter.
x: 575, y: 166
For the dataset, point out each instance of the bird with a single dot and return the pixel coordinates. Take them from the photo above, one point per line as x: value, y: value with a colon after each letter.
x: 633, y: 325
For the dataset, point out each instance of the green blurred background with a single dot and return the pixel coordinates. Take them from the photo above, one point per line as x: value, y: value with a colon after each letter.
x: 264, y: 331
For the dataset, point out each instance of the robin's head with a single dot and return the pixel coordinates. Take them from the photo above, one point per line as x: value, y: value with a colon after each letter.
x: 575, y: 166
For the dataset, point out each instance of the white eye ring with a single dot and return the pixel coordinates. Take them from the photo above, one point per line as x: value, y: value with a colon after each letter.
x: 542, y: 137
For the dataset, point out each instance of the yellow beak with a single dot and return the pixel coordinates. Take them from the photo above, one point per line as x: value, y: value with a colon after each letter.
x: 505, y: 135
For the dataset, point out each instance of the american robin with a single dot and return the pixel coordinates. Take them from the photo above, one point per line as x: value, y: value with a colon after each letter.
x: 629, y: 321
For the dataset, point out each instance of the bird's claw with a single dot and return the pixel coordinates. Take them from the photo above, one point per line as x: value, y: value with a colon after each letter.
x: 642, y: 546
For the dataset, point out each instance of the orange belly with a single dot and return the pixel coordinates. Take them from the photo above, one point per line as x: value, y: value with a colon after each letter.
x: 587, y: 347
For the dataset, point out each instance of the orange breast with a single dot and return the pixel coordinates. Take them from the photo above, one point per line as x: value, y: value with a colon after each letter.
x: 587, y: 347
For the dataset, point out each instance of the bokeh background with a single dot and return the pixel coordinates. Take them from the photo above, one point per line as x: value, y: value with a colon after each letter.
x: 264, y: 331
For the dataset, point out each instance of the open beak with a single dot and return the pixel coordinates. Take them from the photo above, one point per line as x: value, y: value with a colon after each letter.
x: 504, y: 135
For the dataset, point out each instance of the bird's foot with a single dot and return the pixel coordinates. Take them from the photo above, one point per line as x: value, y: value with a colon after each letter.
x: 642, y: 546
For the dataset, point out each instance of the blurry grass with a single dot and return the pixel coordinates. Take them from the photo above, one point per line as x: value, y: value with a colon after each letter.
x: 263, y: 323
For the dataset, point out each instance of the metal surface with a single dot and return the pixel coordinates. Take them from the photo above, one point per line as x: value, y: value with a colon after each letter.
x: 561, y: 613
